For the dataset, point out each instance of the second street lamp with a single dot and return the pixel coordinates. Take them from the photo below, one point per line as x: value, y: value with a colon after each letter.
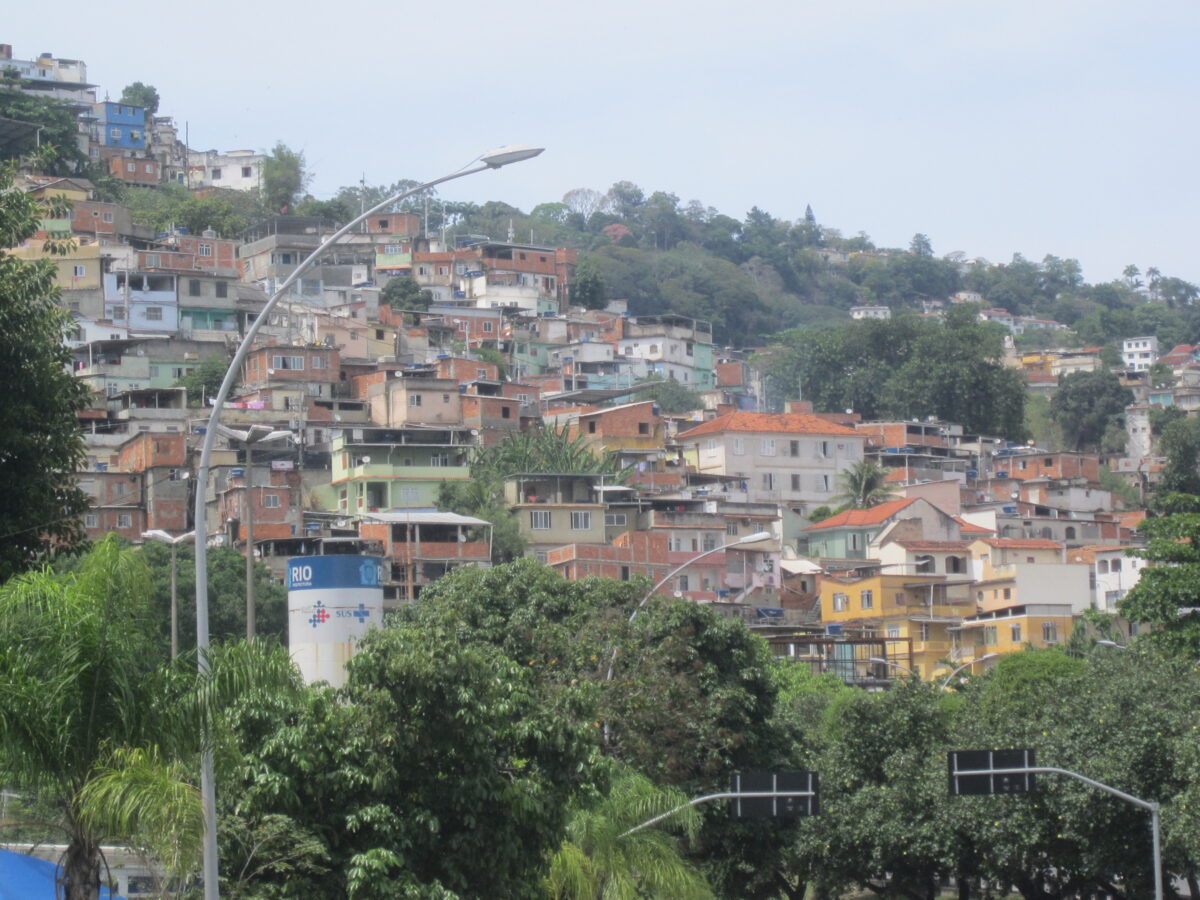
x: 163, y: 537
x: 256, y: 434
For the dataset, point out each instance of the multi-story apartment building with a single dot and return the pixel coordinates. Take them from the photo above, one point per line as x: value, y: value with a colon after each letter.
x: 422, y: 545
x: 1009, y: 629
x: 378, y: 469
x: 119, y: 125
x: 557, y: 509
x: 674, y: 348
x: 791, y: 459
x: 1139, y: 353
x: 239, y: 170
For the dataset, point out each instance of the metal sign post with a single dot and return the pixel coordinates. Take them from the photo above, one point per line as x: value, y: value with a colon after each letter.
x: 992, y: 772
x: 786, y: 795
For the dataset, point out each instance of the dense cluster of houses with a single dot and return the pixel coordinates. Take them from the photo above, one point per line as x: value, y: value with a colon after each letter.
x: 986, y: 546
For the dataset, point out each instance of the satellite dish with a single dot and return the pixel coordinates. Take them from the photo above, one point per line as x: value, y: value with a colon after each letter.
x: 474, y: 432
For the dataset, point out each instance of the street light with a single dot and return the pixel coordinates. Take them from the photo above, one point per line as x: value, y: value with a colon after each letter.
x: 493, y: 159
x: 888, y: 662
x: 1112, y: 644
x: 162, y: 537
x: 984, y: 658
x: 256, y: 434
x: 748, y: 539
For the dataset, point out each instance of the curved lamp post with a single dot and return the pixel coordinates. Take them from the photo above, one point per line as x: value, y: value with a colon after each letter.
x: 748, y: 539
x: 250, y: 438
x: 984, y: 658
x: 896, y: 665
x: 491, y: 160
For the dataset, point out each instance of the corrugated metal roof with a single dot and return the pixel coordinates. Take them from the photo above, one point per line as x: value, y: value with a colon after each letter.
x: 423, y: 517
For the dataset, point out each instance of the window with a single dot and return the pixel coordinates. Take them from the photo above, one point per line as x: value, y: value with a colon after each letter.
x: 106, y: 217
x: 118, y: 313
x: 149, y: 168
x: 624, y: 573
x: 614, y: 519
x: 89, y: 521
x: 893, y: 631
x: 1014, y: 632
x: 731, y: 529
x: 823, y: 483
x: 768, y: 447
x: 1050, y: 632
x: 866, y: 599
x: 768, y: 481
x: 410, y: 496
x: 153, y: 261
x: 925, y: 631
x: 130, y: 167
x: 247, y: 172
x: 793, y: 448
x: 683, y: 583
x: 154, y: 314
x: 855, y: 540
x: 592, y: 427
x: 710, y: 541
x: 206, y: 249
x: 216, y: 174
x: 822, y: 448
x: 414, y: 399
x: 193, y: 287
x: 1116, y: 565
x: 643, y: 427
x: 989, y: 635
x: 79, y: 271
x: 487, y: 327
x: 840, y: 601
x: 314, y: 389
x: 539, y: 519
x: 270, y: 501
x: 114, y: 134
x: 154, y: 371
x: 581, y: 521
x: 124, y: 520
x: 1008, y: 593
x: 287, y: 362
x: 739, y: 447
x: 796, y: 481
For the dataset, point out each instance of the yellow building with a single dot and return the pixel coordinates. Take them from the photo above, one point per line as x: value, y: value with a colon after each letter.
x: 912, y: 613
x: 1012, y: 628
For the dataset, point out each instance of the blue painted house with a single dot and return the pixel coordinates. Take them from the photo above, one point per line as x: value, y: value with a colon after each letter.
x: 121, y: 125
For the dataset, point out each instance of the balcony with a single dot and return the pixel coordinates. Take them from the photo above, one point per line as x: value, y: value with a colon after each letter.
x: 439, y: 550
x: 403, y: 473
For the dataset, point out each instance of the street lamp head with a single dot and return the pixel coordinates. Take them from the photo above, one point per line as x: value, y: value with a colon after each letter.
x: 878, y: 659
x: 755, y: 538
x: 986, y: 657
x: 503, y: 156
x: 1112, y: 644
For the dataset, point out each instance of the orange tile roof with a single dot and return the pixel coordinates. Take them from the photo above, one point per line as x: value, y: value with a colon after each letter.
x: 768, y: 423
x: 1023, y: 543
x: 876, y: 515
x: 966, y: 527
x: 935, y: 545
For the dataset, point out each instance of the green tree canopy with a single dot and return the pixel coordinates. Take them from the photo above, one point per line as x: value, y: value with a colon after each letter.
x: 143, y: 95
x: 405, y: 293
x: 284, y: 178
x: 41, y: 443
x: 1084, y: 404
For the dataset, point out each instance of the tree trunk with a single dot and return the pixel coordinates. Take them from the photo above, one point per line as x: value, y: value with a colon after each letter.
x: 80, y: 872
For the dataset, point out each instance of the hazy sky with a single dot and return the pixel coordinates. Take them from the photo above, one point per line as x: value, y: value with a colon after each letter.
x: 1030, y: 126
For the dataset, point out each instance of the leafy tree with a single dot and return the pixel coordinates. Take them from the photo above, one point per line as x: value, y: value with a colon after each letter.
x: 865, y: 484
x: 436, y: 772
x: 599, y: 860
x: 143, y: 95
x: 920, y: 246
x: 203, y: 382
x: 41, y: 444
x: 59, y: 132
x: 1180, y: 444
x: 672, y: 397
x: 1085, y: 402
x: 1167, y: 594
x: 589, y: 289
x: 284, y: 178
x: 405, y: 293
x: 1161, y: 375
x: 95, y: 720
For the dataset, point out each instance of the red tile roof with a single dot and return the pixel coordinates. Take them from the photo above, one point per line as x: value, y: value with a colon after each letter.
x: 1023, y: 543
x: 966, y: 527
x: 769, y: 423
x: 876, y: 515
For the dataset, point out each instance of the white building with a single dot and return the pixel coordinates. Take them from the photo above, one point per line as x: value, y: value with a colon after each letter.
x: 240, y: 170
x: 788, y: 459
x: 1139, y: 353
x: 870, y: 312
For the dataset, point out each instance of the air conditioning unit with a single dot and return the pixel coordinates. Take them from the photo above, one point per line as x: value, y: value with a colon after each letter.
x: 270, y: 371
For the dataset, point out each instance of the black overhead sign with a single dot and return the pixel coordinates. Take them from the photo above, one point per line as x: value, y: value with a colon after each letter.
x: 800, y: 790
x: 984, y: 771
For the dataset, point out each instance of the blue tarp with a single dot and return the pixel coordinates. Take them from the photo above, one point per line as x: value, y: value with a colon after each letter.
x: 29, y: 878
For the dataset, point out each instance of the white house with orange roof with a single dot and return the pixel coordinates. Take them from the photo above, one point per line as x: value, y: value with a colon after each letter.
x: 859, y: 533
x: 792, y: 459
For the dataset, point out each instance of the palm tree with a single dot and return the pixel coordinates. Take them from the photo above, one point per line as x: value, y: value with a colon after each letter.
x: 865, y: 484
x: 599, y: 861
x: 97, y: 721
